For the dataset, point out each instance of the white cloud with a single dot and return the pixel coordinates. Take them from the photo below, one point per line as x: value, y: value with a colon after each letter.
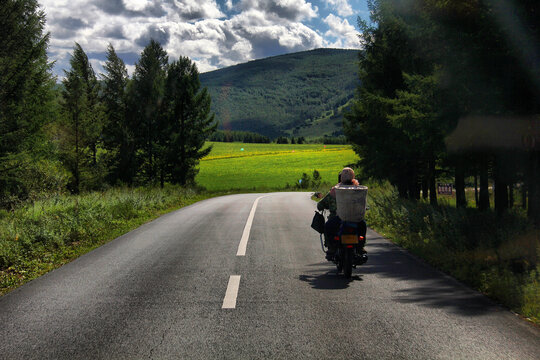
x: 269, y: 38
x: 342, y: 7
x: 291, y: 10
x: 198, y: 9
x: 244, y: 37
x: 97, y: 65
x: 130, y: 69
x: 242, y: 48
x: 250, y: 18
x: 137, y: 5
x: 204, y: 66
x: 345, y: 34
x: 194, y: 28
x: 338, y: 26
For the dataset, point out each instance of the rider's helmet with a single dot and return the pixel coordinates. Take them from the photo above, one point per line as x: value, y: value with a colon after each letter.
x: 347, y: 175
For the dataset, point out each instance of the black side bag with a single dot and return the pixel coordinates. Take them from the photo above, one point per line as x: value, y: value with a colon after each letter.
x: 318, y: 222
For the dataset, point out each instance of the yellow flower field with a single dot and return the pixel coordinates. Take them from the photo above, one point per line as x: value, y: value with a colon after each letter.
x: 270, y: 166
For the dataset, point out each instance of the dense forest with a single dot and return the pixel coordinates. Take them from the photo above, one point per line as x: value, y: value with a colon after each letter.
x: 95, y: 130
x: 451, y: 89
x: 300, y: 94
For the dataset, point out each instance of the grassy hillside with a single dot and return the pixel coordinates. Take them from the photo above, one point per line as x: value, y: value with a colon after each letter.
x: 300, y: 94
x: 270, y: 166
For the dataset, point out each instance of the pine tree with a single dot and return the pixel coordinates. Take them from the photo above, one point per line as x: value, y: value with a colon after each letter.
x: 187, y: 122
x: 384, y: 148
x: 118, y: 134
x: 83, y: 122
x: 26, y: 84
x: 145, y: 102
x: 416, y: 113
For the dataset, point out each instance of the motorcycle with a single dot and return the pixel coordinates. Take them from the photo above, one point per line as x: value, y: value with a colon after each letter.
x: 350, y: 239
x: 349, y: 243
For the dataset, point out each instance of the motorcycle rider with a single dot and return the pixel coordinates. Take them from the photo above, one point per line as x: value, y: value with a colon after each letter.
x: 331, y: 228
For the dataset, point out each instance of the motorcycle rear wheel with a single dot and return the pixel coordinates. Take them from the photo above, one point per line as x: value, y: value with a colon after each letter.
x: 339, y: 258
x: 348, y: 258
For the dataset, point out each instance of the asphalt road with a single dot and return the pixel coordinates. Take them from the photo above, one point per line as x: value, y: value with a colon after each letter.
x: 159, y: 292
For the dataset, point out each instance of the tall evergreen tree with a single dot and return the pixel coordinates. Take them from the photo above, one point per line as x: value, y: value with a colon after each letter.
x: 145, y: 101
x: 25, y: 85
x: 416, y: 114
x: 482, y: 62
x: 187, y: 122
x: 83, y: 120
x: 118, y: 134
x: 386, y: 150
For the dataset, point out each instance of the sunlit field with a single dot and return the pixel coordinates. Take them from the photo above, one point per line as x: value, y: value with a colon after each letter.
x: 270, y: 166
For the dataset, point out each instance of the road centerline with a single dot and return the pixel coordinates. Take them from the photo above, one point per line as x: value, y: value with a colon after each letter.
x: 229, y: 302
x: 247, y: 228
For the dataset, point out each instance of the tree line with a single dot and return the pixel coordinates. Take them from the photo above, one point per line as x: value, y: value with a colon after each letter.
x: 434, y: 71
x: 93, y: 130
x: 239, y: 136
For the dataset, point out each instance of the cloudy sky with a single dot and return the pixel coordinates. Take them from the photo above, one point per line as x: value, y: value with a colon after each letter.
x: 213, y: 33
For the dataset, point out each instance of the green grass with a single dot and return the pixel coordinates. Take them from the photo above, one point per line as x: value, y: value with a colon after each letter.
x: 270, y: 166
x: 44, y: 235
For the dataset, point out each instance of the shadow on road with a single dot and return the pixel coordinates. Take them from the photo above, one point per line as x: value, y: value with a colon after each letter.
x: 328, y: 280
x: 419, y: 283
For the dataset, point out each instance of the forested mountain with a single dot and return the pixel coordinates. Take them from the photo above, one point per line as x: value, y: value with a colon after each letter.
x: 299, y: 94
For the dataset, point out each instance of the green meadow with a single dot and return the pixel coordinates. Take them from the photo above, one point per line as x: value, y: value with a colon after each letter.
x: 239, y: 166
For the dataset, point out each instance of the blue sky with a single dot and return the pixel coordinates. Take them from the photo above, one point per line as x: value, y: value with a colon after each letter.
x: 213, y: 33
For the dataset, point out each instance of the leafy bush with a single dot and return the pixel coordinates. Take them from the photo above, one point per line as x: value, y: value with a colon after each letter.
x: 313, y: 183
x: 304, y: 182
x: 34, y: 179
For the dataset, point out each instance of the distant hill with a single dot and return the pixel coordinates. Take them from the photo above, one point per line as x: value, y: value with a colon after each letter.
x: 299, y: 94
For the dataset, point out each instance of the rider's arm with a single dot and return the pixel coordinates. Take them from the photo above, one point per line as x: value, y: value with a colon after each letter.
x: 324, y: 203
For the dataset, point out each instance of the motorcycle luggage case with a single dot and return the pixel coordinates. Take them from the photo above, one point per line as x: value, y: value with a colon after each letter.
x: 351, y: 202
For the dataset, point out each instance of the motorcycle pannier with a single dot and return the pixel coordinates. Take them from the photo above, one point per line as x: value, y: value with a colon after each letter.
x: 351, y: 202
x: 318, y: 222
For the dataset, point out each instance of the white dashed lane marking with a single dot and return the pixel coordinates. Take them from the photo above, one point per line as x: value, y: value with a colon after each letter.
x: 247, y: 229
x: 229, y: 302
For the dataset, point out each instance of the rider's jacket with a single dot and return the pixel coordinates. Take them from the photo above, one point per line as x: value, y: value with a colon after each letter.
x: 329, y: 202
